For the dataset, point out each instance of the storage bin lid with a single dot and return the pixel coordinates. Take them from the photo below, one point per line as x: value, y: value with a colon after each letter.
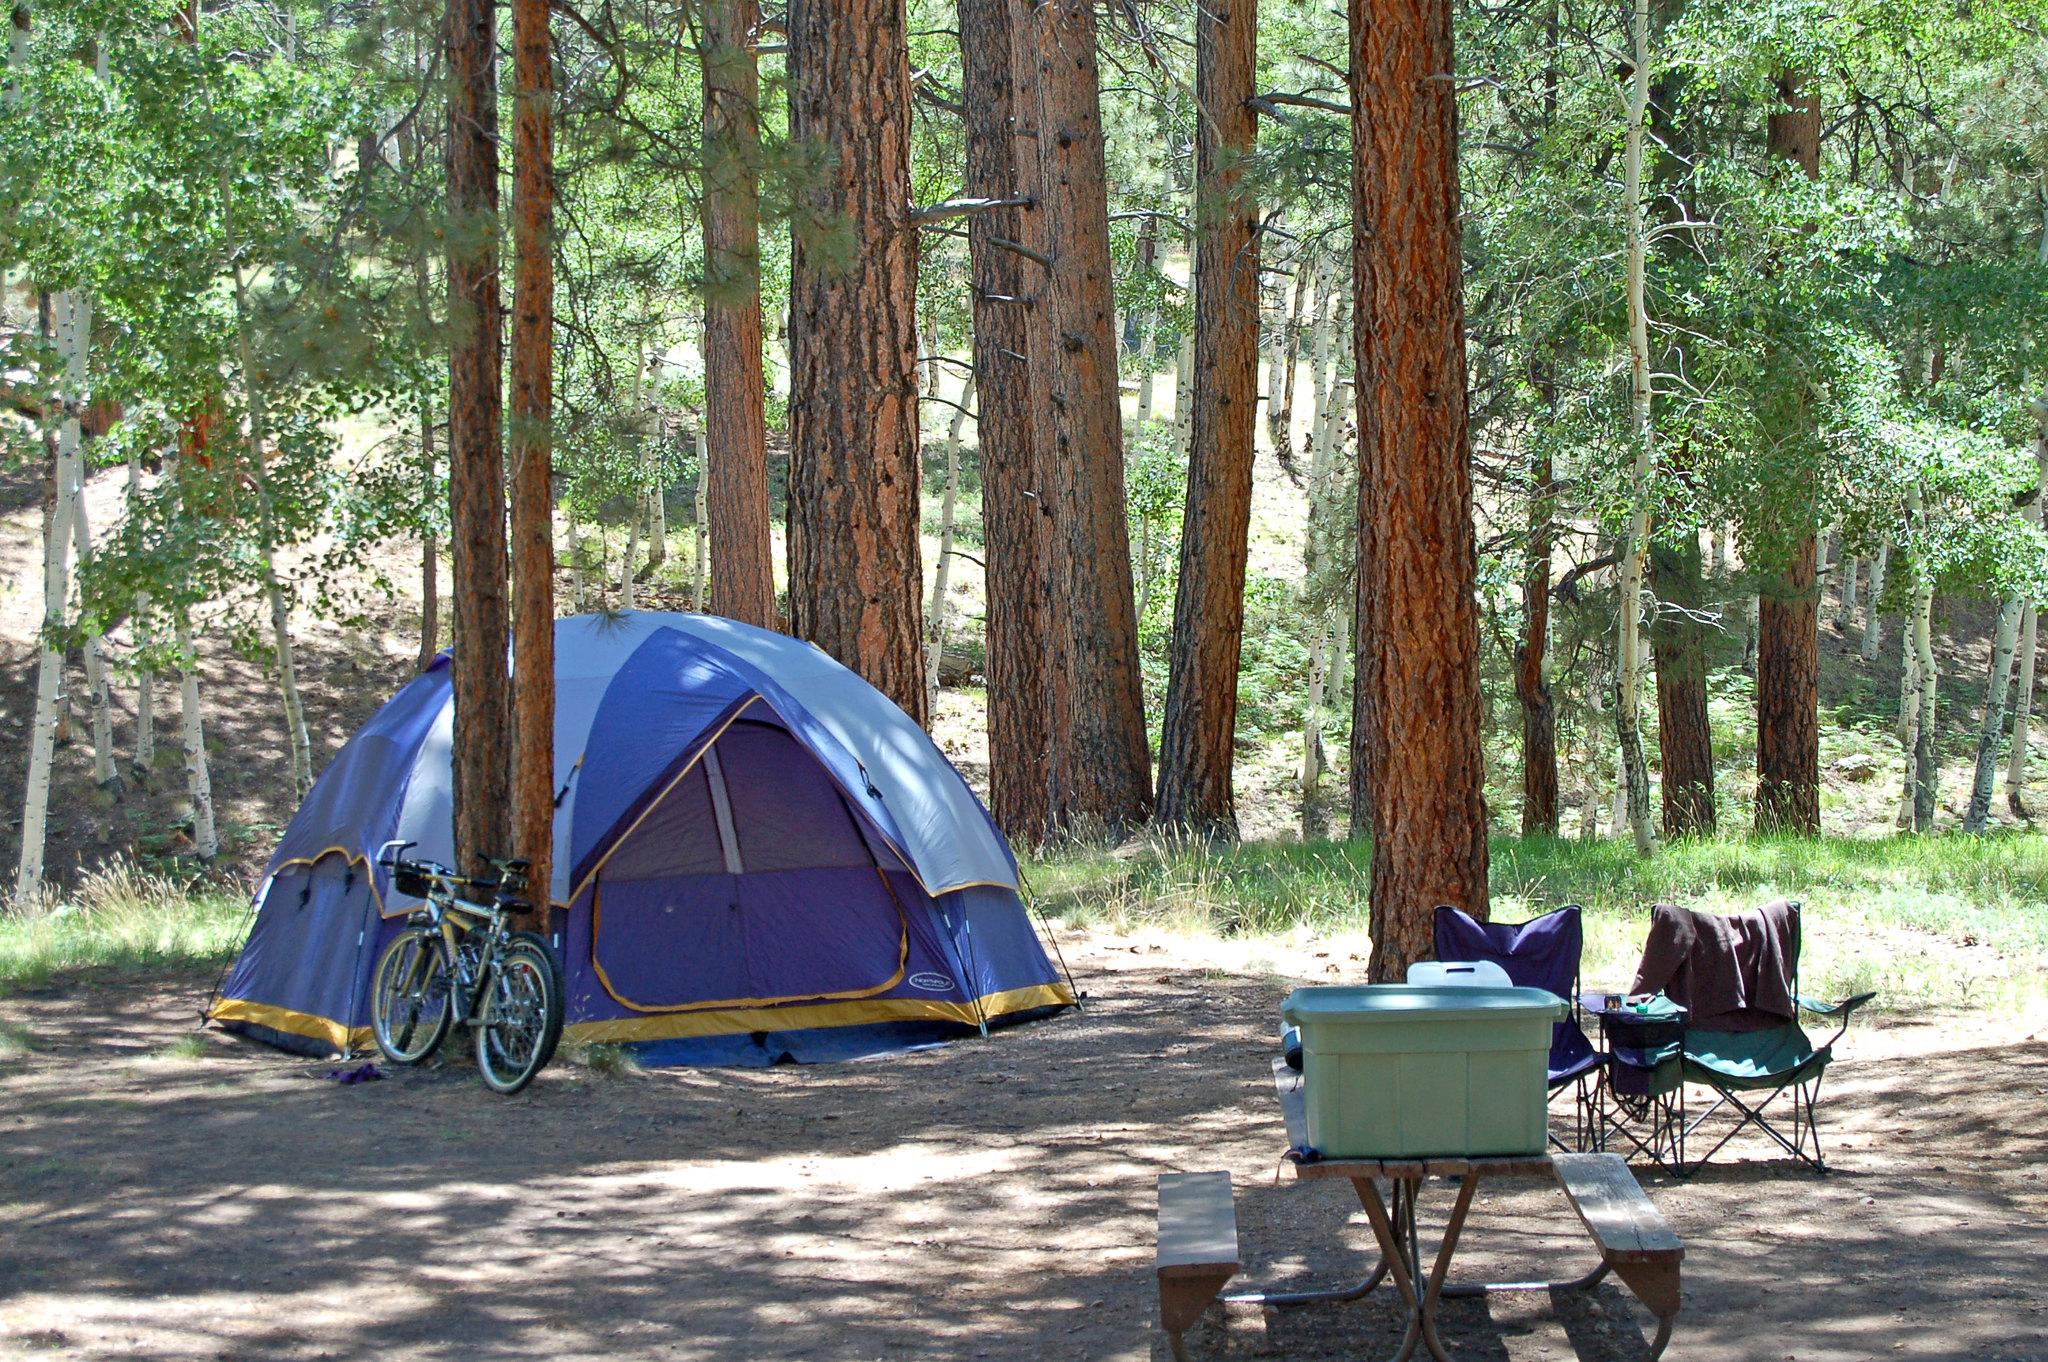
x: 1369, y: 1003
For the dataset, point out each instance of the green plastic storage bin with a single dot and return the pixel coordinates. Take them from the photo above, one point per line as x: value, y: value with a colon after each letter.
x: 1397, y: 1071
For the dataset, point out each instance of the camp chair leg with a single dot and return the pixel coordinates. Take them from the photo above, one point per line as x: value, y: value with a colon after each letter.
x: 1805, y: 1128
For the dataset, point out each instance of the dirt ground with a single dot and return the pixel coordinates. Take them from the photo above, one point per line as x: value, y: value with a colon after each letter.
x: 983, y: 1200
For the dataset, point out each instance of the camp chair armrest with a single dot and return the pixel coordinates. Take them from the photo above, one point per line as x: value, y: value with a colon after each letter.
x: 1841, y: 1009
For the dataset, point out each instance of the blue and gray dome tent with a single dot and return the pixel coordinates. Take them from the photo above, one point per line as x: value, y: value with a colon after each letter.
x: 758, y: 857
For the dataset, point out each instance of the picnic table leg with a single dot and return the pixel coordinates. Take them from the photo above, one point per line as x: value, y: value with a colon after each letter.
x: 1340, y: 1295
x: 1403, y: 1261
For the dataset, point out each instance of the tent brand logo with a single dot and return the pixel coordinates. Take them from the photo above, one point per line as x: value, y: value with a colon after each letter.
x: 932, y: 983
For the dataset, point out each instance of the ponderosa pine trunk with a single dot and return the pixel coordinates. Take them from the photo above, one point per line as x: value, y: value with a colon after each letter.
x: 855, y: 574
x: 1684, y: 741
x: 1417, y: 774
x: 430, y: 546
x: 1101, y: 759
x: 1788, y: 605
x: 476, y: 460
x: 736, y: 498
x: 532, y: 448
x: 1197, y: 741
x: 1012, y: 369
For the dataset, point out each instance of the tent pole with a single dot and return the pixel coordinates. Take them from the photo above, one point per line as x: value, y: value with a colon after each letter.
x: 1046, y: 922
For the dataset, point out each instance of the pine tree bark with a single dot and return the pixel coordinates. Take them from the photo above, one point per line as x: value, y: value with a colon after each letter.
x: 1012, y: 368
x: 1416, y: 768
x: 855, y: 575
x: 532, y: 448
x: 1532, y: 673
x: 1684, y: 741
x: 476, y: 460
x: 430, y: 547
x: 1788, y: 608
x: 1197, y: 740
x: 1101, y: 761
x: 736, y: 499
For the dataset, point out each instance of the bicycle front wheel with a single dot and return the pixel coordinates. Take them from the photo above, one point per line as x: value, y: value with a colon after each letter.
x: 523, y: 1015
x: 410, y: 1002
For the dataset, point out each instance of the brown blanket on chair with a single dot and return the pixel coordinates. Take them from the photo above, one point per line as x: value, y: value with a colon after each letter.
x: 1732, y: 972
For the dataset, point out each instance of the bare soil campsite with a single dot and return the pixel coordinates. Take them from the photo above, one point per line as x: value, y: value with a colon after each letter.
x: 982, y: 1200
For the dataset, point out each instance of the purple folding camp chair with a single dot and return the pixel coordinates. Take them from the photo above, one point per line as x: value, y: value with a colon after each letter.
x: 1540, y: 953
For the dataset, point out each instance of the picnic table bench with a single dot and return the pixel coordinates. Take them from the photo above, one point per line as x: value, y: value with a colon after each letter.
x: 1198, y: 1235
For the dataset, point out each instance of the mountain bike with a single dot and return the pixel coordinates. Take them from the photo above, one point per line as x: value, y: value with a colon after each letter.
x: 458, y: 959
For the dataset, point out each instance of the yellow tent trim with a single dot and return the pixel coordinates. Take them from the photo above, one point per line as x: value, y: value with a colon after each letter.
x: 293, y: 1023
x: 728, y: 1022
x: 739, y: 1021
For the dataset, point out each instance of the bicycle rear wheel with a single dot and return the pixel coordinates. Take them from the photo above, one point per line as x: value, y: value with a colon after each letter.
x: 523, y: 1017
x: 410, y: 1003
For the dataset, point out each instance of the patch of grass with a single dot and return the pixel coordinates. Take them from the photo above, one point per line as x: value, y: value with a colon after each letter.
x: 190, y: 1046
x: 1926, y: 921
x: 119, y: 916
x: 606, y: 1061
x: 16, y: 1040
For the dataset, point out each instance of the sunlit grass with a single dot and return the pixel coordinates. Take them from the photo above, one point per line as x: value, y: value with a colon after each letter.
x: 1936, y: 921
x: 118, y: 916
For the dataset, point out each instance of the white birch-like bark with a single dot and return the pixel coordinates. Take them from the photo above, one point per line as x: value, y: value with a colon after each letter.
x: 575, y: 563
x: 105, y: 773
x: 1978, y: 816
x: 1926, y: 767
x: 198, y: 774
x: 1148, y: 360
x: 145, y: 678
x: 1850, y: 569
x: 699, y: 557
x: 2023, y: 701
x: 273, y: 586
x: 942, y: 571
x: 71, y: 322
x: 1183, y: 392
x: 1873, y: 623
x: 1635, y: 548
x: 1276, y: 361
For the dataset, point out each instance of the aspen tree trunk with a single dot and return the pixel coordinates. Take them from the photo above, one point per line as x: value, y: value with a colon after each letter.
x: 700, y: 553
x: 430, y: 550
x: 1978, y: 816
x: 1926, y: 767
x: 1849, y: 569
x: 532, y: 450
x: 476, y: 461
x: 942, y: 571
x: 743, y: 577
x: 1788, y: 609
x: 1012, y: 369
x: 1417, y: 774
x: 1183, y: 391
x: 1873, y: 623
x: 1198, y: 737
x: 2023, y: 701
x: 198, y: 771
x: 1907, y: 729
x: 1272, y: 307
x: 105, y: 773
x: 145, y: 681
x: 1532, y: 669
x: 1304, y: 271
x: 67, y: 317
x: 1592, y: 810
x: 576, y: 597
x: 855, y: 578
x: 1325, y: 667
x: 1148, y: 360
x: 1635, y: 547
x: 1101, y: 758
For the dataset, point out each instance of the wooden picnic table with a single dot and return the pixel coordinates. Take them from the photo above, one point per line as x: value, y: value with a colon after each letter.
x: 1634, y: 1241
